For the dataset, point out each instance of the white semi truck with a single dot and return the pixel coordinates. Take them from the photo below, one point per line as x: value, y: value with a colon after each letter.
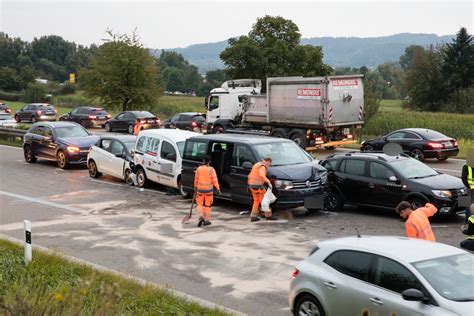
x: 313, y: 112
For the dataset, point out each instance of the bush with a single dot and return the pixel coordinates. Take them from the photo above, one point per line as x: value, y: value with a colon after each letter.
x: 34, y: 93
x: 73, y: 101
x: 67, y: 88
x: 9, y: 96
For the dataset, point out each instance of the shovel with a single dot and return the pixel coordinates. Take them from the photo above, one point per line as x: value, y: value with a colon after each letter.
x: 188, y: 216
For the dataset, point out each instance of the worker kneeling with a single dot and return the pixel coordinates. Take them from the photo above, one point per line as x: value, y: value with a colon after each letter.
x: 204, y: 182
x: 257, y: 182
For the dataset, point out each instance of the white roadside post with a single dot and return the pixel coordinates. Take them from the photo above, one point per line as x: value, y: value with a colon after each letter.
x: 28, y: 254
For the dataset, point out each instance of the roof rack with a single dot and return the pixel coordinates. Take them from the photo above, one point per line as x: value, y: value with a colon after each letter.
x: 381, y: 158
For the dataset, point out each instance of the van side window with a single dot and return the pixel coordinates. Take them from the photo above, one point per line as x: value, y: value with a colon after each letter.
x: 194, y: 150
x: 141, y: 143
x: 242, y: 154
x: 167, y: 151
x: 152, y: 146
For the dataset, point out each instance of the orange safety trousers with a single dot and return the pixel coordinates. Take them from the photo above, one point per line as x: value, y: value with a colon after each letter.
x: 257, y: 196
x: 204, y: 203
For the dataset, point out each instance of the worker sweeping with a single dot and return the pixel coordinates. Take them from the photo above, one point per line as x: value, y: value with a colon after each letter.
x: 257, y: 182
x: 205, y: 180
x: 417, y: 224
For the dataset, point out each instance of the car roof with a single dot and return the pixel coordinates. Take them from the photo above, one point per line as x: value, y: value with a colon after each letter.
x: 175, y: 135
x: 190, y: 113
x: 425, y: 132
x: 41, y: 104
x: 56, y: 124
x: 371, y: 155
x: 242, y: 138
x: 397, y: 247
x: 123, y: 138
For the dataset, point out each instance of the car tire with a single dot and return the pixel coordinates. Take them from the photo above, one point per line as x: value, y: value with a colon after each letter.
x: 142, y: 181
x: 334, y: 202
x: 308, y: 305
x: 368, y: 148
x: 442, y: 158
x: 299, y: 138
x: 329, y: 147
x: 107, y: 127
x: 130, y: 129
x: 34, y: 119
x: 61, y: 159
x: 17, y: 118
x: 417, y: 154
x: 29, y: 155
x: 417, y: 202
x: 218, y: 129
x: 93, y: 171
x: 184, y: 194
x: 126, y: 177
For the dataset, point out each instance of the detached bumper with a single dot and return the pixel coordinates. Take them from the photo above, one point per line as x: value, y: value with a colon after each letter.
x: 441, y: 153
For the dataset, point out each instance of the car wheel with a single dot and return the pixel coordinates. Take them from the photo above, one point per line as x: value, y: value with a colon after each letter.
x: 93, y: 172
x: 334, y: 202
x: 107, y: 127
x: 29, y: 156
x: 417, y: 202
x: 329, y: 147
x: 183, y: 193
x: 308, y: 305
x: 299, y: 138
x: 442, y: 158
x: 141, y: 178
x: 130, y: 129
x: 61, y: 160
x: 34, y: 119
x: 126, y: 176
x: 17, y: 118
x: 417, y: 154
x: 367, y: 148
x: 218, y: 130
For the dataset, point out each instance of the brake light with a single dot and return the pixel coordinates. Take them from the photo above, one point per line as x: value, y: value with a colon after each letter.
x: 92, y: 117
x: 455, y: 143
x: 158, y: 121
x: 295, y: 273
x: 194, y: 124
x: 319, y: 140
x: 109, y: 116
x: 435, y: 145
x: 72, y: 149
x: 9, y: 110
x: 39, y: 112
x: 349, y: 136
x: 55, y: 111
x: 142, y: 121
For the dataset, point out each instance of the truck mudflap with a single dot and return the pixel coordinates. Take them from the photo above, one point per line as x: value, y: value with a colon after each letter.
x: 331, y: 144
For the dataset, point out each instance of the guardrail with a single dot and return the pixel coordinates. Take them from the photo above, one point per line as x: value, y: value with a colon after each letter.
x: 12, y: 133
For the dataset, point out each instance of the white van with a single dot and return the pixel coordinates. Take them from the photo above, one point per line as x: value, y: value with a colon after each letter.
x: 158, y: 155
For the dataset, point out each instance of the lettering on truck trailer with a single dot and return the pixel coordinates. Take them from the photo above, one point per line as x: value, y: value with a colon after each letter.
x: 308, y: 93
x: 345, y: 83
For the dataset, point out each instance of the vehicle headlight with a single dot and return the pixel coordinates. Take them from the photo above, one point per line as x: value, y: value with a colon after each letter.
x: 283, y: 184
x: 324, y: 177
x: 73, y: 149
x: 442, y: 193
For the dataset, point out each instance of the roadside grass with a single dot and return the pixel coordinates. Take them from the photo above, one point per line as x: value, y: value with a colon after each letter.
x: 169, y: 105
x: 390, y: 105
x: 11, y: 142
x: 52, y: 285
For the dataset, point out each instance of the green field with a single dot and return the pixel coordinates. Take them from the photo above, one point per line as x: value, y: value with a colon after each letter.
x: 390, y: 106
x: 52, y: 285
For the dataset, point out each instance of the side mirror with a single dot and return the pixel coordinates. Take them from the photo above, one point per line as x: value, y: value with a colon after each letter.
x: 414, y: 295
x: 120, y: 155
x: 247, y: 165
x: 393, y: 179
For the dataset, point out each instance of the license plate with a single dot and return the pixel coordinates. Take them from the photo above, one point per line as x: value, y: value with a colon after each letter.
x: 448, y: 145
x: 101, y: 117
x: 314, y: 202
x: 151, y: 121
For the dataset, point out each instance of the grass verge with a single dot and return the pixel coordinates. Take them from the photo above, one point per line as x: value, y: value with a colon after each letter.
x: 15, y: 142
x: 52, y: 285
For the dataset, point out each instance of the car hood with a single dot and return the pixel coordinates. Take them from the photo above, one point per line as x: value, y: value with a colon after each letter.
x: 440, y: 182
x: 81, y: 142
x: 460, y: 308
x: 296, y: 172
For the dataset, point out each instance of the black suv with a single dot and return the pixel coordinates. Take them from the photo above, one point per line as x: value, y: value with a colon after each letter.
x: 35, y: 112
x: 297, y: 178
x: 191, y: 121
x: 87, y: 116
x: 379, y: 180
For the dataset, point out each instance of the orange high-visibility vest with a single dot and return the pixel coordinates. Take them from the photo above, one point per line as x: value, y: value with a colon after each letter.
x: 418, y: 225
x: 205, y: 179
x: 255, y: 180
x: 136, y: 128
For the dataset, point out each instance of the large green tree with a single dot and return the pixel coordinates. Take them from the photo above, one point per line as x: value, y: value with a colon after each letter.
x: 177, y: 74
x: 272, y: 49
x: 122, y: 73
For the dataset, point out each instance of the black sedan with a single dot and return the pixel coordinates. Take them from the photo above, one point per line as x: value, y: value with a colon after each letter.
x: 125, y: 121
x: 190, y: 121
x: 420, y: 143
x: 87, y: 116
x: 66, y: 143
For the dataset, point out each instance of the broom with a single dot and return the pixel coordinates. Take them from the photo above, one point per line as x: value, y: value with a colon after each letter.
x: 188, y: 216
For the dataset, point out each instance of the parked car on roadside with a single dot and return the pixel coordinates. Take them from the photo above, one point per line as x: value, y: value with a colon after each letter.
x: 382, y: 181
x: 87, y: 116
x: 383, y: 275
x: 125, y: 121
x: 6, y: 120
x: 111, y: 155
x: 35, y: 112
x: 67, y: 143
x: 190, y: 121
x: 420, y: 143
x: 297, y: 178
x: 4, y: 108
x: 158, y: 157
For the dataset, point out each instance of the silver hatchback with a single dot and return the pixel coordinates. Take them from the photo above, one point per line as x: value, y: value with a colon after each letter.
x: 383, y: 275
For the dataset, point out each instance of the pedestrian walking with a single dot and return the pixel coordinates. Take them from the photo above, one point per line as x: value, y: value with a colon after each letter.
x: 468, y: 180
x: 417, y: 224
x: 205, y: 180
x: 258, y: 184
x: 468, y: 229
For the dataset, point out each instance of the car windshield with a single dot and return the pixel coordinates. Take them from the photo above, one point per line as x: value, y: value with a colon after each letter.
x: 413, y: 169
x: 282, y: 153
x: 143, y: 114
x: 5, y: 117
x: 70, y: 131
x: 180, y: 148
x: 452, y: 276
x: 130, y: 145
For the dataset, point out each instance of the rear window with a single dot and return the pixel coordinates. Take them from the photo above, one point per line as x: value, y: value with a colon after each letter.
x: 199, y: 118
x: 429, y: 134
x: 194, y: 150
x: 143, y: 114
x: 99, y: 111
x: 352, y: 263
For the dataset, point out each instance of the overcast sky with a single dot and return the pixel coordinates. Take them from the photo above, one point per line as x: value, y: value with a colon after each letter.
x: 170, y: 24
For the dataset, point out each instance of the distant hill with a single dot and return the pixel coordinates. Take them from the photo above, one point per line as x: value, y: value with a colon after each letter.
x: 338, y: 51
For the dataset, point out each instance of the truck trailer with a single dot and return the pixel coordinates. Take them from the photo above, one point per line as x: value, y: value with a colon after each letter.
x: 313, y: 112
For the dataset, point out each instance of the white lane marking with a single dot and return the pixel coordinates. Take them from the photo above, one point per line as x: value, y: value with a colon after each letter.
x: 43, y: 202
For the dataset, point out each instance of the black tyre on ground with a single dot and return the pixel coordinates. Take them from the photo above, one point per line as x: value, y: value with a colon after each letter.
x: 442, y: 158
x: 299, y: 138
x: 130, y: 129
x: 184, y: 194
x: 417, y: 154
x: 329, y: 147
x: 93, y: 171
x: 141, y: 178
x: 107, y: 127
x: 34, y: 119
x: 17, y: 118
x: 279, y: 132
x: 61, y: 159
x: 417, y: 202
x: 334, y: 202
x: 126, y: 176
x: 218, y: 129
x: 368, y: 148
x: 29, y: 155
x: 308, y: 305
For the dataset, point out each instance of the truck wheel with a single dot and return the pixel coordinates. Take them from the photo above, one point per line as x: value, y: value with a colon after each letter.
x: 218, y: 129
x: 278, y: 132
x: 299, y: 138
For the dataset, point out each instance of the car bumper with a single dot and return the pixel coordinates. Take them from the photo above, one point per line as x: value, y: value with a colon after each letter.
x: 441, y: 153
x: 97, y: 123
x: 78, y: 159
x: 47, y: 118
x: 150, y: 126
x: 448, y: 206
x: 302, y: 197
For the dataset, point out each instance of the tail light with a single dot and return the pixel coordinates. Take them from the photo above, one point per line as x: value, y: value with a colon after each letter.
x: 55, y: 111
x: 109, y: 116
x: 92, y: 117
x: 9, y: 110
x: 435, y: 145
x: 158, y: 121
x: 142, y: 121
x: 194, y: 124
x: 349, y: 136
x: 455, y: 143
x: 39, y: 112
x: 295, y: 273
x: 319, y: 139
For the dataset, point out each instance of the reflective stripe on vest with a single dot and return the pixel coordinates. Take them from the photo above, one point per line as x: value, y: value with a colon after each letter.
x: 471, y: 219
x: 420, y: 223
x: 470, y: 179
x: 254, y: 179
x: 205, y: 180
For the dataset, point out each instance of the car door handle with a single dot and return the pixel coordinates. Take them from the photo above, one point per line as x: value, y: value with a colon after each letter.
x: 330, y: 285
x: 371, y: 185
x: 376, y: 301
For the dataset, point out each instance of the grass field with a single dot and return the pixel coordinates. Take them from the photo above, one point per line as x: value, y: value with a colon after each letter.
x: 390, y: 105
x: 52, y: 285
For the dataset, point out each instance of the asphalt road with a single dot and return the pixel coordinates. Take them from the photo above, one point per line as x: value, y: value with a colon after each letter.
x: 243, y: 266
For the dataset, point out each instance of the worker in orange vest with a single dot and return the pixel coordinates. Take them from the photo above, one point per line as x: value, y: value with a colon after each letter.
x: 257, y: 179
x: 137, y: 128
x: 205, y: 180
x: 417, y: 224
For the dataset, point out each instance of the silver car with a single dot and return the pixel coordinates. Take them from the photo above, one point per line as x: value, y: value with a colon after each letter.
x: 383, y: 275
